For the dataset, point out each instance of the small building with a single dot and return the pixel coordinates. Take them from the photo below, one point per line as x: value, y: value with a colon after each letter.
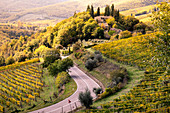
x: 102, y: 19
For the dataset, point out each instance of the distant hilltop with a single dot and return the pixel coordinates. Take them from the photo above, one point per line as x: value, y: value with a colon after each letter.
x: 28, y: 10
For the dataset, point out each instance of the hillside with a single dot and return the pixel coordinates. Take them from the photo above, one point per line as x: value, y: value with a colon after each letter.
x: 40, y: 10
x: 141, y: 13
x: 151, y: 95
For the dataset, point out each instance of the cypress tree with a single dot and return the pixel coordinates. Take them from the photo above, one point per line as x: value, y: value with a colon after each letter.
x: 98, y: 11
x: 112, y: 10
x: 92, y: 11
x: 88, y: 9
x: 105, y: 13
x: 108, y: 10
x: 117, y: 15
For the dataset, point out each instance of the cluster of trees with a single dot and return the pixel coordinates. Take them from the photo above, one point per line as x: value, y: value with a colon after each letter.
x: 80, y: 26
x: 59, y: 66
x: 109, y: 11
x: 119, y: 21
x: 10, y: 60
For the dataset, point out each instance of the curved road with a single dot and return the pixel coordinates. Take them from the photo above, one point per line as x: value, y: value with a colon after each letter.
x: 83, y: 81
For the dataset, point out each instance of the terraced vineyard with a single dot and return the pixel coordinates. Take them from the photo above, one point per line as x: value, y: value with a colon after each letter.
x: 20, y: 87
x: 152, y: 94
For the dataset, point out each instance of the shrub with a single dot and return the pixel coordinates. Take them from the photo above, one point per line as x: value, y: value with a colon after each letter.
x: 97, y: 90
x: 140, y: 27
x: 50, y: 56
x: 97, y: 52
x: 111, y: 33
x: 76, y: 46
x: 59, y: 66
x: 78, y: 55
x: 10, y: 60
x: 118, y: 74
x: 103, y: 95
x: 62, y: 78
x: 98, y: 57
x: 125, y: 34
x: 90, y: 64
x: 49, y: 59
x: 22, y: 58
x: 2, y: 60
x: 85, y: 98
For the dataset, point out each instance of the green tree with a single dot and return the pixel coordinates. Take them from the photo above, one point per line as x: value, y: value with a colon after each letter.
x: 89, y: 27
x: 50, y: 39
x: 90, y: 64
x: 62, y: 78
x: 41, y: 51
x: 117, y: 15
x: 85, y: 98
x: 22, y: 58
x: 76, y: 46
x: 107, y: 10
x: 140, y: 27
x: 125, y: 34
x: 98, y: 11
x: 130, y: 22
x: 110, y: 21
x: 88, y: 9
x: 65, y: 64
x: 2, y: 60
x: 98, y: 33
x: 10, y: 60
x: 112, y: 10
x: 50, y: 56
x: 59, y: 66
x: 92, y: 11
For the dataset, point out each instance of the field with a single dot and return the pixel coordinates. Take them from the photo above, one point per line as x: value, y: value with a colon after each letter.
x: 20, y: 87
x: 25, y: 86
x: 151, y: 94
x: 147, y: 10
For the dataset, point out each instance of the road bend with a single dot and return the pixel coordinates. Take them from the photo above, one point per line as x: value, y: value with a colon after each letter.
x: 83, y: 81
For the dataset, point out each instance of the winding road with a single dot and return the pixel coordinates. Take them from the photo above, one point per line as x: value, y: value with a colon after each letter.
x: 83, y: 81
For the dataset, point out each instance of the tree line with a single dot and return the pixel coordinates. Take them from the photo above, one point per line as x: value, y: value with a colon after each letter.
x: 109, y: 11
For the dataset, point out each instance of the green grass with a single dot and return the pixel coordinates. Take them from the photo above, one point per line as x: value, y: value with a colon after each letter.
x: 102, y: 78
x: 49, y: 89
x: 135, y: 76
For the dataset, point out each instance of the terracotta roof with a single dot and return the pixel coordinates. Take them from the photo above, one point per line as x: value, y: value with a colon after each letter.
x: 101, y: 19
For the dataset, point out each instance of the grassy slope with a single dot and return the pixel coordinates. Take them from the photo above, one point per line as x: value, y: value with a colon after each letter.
x: 135, y: 76
x: 143, y: 18
x: 134, y: 73
x: 97, y: 75
x: 151, y: 94
x: 50, y: 88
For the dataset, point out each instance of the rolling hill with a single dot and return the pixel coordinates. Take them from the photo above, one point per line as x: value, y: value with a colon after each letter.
x: 26, y: 10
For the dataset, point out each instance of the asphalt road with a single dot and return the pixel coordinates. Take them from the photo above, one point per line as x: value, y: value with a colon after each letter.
x: 83, y: 82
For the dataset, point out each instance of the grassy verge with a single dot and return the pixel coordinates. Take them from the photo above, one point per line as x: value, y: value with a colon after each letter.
x: 48, y: 92
x: 102, y: 78
x: 133, y: 72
